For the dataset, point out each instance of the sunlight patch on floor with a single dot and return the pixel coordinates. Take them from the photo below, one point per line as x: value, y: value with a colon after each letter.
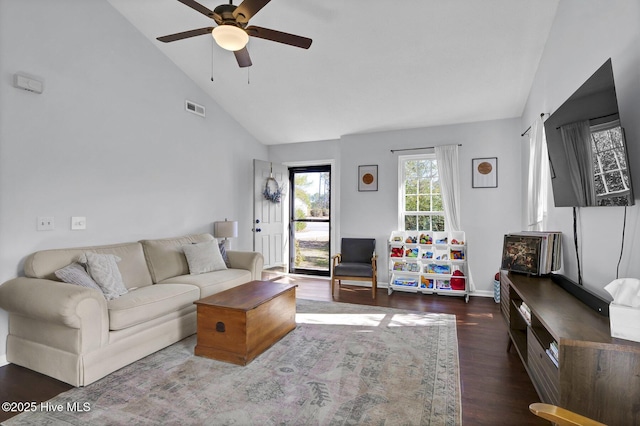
x: 419, y: 320
x: 483, y: 315
x: 374, y: 320
x: 369, y: 320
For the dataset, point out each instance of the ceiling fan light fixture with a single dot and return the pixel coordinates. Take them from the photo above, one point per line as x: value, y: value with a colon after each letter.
x: 230, y: 37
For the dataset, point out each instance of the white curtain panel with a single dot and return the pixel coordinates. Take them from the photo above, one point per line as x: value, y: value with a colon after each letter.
x: 576, y: 138
x: 538, y: 178
x: 449, y: 171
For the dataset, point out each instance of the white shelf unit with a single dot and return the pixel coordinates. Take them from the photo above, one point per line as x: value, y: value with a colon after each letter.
x: 428, y: 262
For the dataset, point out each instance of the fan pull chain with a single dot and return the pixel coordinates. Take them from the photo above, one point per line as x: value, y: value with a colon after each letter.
x: 212, y: 48
x: 248, y: 69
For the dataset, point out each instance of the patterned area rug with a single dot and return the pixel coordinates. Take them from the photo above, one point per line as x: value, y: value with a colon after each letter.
x: 344, y: 364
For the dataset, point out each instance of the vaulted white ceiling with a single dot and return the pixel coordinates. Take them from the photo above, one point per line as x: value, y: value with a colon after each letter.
x: 373, y: 66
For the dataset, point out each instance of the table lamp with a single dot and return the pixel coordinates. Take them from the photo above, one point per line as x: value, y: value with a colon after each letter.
x: 226, y: 229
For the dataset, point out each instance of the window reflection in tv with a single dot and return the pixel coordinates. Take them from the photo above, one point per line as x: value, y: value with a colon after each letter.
x: 587, y: 150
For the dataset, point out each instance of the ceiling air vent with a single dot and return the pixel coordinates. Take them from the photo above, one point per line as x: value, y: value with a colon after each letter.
x: 194, y: 108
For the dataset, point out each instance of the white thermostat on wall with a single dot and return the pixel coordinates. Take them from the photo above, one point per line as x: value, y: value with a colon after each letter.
x: 28, y: 82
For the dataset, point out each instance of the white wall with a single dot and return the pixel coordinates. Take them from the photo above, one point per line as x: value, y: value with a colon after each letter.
x: 584, y: 35
x: 108, y: 139
x: 487, y: 213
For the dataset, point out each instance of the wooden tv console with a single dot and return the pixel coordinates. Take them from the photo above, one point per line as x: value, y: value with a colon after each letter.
x: 597, y: 375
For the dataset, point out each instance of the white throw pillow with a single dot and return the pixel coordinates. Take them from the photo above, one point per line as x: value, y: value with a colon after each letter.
x: 204, y: 257
x: 75, y: 273
x: 103, y: 268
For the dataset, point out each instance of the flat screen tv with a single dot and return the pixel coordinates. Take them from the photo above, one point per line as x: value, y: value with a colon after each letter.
x: 587, y: 150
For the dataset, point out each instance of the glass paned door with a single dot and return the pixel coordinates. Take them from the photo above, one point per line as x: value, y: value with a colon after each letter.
x: 310, y: 220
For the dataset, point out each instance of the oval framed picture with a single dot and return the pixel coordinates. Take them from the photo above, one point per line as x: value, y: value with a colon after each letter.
x: 368, y: 178
x: 484, y: 172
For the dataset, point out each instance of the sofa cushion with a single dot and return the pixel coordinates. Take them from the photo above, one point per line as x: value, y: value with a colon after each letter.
x: 150, y: 302
x: 133, y: 267
x: 204, y: 257
x: 103, y: 268
x: 74, y: 273
x: 350, y: 269
x: 166, y: 258
x: 213, y: 282
x: 358, y: 250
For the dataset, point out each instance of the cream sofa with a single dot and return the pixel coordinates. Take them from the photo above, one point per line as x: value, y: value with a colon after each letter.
x: 74, y: 334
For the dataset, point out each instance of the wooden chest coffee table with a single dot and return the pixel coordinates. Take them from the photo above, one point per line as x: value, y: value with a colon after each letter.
x: 238, y: 324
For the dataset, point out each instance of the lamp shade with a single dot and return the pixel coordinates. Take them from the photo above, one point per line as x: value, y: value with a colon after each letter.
x: 230, y: 37
x: 226, y: 229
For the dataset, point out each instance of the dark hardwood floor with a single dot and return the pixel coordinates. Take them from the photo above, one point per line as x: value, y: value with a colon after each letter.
x: 496, y: 389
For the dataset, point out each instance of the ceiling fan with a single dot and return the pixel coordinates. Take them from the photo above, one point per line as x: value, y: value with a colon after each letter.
x: 232, y: 32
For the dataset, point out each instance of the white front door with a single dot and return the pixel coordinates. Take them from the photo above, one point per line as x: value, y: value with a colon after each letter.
x: 269, y: 217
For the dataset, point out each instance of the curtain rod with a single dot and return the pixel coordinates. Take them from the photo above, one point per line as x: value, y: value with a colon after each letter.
x: 529, y: 128
x: 595, y: 118
x: 413, y: 149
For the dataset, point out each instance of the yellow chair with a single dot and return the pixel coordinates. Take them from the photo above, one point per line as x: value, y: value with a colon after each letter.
x: 560, y: 416
x: 357, y: 261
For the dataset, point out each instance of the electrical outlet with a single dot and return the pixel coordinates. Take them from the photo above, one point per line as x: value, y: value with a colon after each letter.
x: 78, y: 223
x: 45, y: 223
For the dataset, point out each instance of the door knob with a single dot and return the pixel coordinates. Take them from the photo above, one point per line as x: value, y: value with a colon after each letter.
x: 258, y: 229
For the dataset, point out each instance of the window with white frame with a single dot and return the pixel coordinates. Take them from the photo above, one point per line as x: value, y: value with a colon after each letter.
x: 420, y: 196
x: 610, y: 164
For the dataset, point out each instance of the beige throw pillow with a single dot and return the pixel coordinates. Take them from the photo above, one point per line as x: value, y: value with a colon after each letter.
x: 103, y: 268
x: 204, y: 257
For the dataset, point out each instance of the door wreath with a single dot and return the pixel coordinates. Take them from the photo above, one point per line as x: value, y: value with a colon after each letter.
x: 272, y: 191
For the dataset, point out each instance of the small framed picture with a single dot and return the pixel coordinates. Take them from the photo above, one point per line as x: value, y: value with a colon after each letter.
x: 368, y: 178
x: 484, y: 172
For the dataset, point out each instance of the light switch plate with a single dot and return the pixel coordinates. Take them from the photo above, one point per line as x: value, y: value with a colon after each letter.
x: 45, y: 223
x: 78, y: 223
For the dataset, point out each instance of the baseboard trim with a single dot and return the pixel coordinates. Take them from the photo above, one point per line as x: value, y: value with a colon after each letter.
x: 477, y: 293
x: 363, y: 283
x: 482, y: 293
x: 3, y: 360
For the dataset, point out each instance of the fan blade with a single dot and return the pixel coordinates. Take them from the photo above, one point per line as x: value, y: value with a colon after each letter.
x: 248, y: 8
x: 198, y: 7
x: 279, y: 36
x: 242, y: 56
x: 185, y: 34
